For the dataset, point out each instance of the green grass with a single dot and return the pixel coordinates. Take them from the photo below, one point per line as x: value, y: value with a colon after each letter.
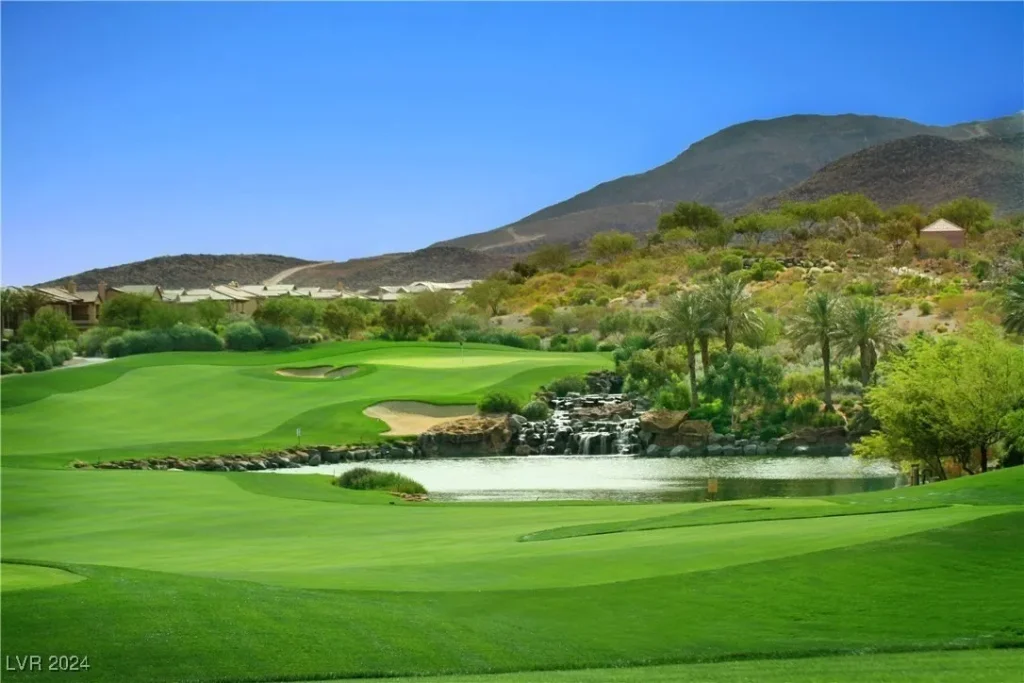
x: 152, y: 405
x: 190, y: 576
x: 966, y: 666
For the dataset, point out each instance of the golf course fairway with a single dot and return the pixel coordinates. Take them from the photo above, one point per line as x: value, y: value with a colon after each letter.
x: 200, y: 576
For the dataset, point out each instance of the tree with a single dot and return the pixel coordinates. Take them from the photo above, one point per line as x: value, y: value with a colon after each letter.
x: 551, y: 257
x: 867, y: 327
x: 276, y: 311
x: 606, y: 246
x: 402, y: 322
x: 818, y: 325
x: 163, y: 316
x: 47, y: 327
x: 489, y: 294
x: 695, y: 216
x: 435, y: 306
x: 342, y: 319
x: 756, y: 225
x: 896, y: 232
x: 541, y: 314
x: 946, y: 397
x: 805, y: 215
x: 971, y: 214
x: 684, y: 318
x: 742, y: 378
x: 911, y: 213
x: 732, y: 307
x: 1013, y: 306
x: 209, y: 313
x: 126, y: 311
x: 846, y: 204
x: 11, y: 307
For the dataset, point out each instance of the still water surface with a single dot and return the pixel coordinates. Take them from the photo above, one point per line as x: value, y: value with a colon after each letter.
x: 626, y: 478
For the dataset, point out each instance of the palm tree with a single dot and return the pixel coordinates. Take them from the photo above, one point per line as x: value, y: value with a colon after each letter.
x: 707, y: 305
x: 683, y: 319
x: 734, y: 309
x: 865, y: 325
x: 1013, y: 306
x: 818, y: 324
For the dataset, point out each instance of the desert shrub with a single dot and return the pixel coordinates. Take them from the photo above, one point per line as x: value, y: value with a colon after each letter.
x: 194, y: 338
x: 982, y: 269
x: 275, y: 337
x: 766, y: 269
x: 933, y: 247
x: 145, y: 341
x: 851, y: 369
x: 826, y: 249
x: 925, y: 307
x: 804, y: 383
x: 614, y: 278
x: 531, y: 341
x: 498, y: 402
x: 828, y: 420
x: 950, y: 304
x: 536, y: 411
x: 860, y: 289
x: 28, y: 357
x: 243, y: 337
x: 541, y: 315
x: 60, y: 354
x: 568, y: 384
x: 565, y: 321
x: 560, y: 342
x: 696, y: 261
x: 583, y: 295
x: 585, y: 343
x: 446, y: 333
x: 730, y: 263
x: 606, y: 346
x: 366, y: 479
x: 91, y: 342
x: 617, y: 321
x: 867, y: 245
x: 803, y: 412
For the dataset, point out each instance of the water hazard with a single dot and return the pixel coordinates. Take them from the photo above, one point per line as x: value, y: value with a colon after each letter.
x: 626, y: 478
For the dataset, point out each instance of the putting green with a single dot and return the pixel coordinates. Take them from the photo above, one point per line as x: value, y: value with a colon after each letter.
x: 16, y: 577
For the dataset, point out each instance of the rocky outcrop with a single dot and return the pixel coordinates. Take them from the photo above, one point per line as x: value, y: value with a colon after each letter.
x: 469, y: 436
x: 604, y: 382
x: 670, y: 428
x: 816, y: 441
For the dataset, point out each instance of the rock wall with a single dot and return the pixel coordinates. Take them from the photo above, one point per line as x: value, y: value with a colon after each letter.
x: 469, y: 436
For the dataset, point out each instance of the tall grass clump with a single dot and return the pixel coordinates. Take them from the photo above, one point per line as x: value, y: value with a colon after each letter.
x: 498, y: 402
x: 366, y: 479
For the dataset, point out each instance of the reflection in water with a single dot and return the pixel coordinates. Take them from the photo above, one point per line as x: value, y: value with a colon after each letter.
x: 625, y: 478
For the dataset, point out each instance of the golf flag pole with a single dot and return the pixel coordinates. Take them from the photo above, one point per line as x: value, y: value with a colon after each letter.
x: 298, y: 436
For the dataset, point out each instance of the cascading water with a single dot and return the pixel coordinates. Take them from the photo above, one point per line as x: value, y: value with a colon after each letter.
x: 598, y: 424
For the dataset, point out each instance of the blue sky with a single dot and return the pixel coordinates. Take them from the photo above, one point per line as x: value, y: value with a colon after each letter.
x: 330, y: 131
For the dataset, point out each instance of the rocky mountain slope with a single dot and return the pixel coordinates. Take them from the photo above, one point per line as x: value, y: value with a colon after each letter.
x: 186, y: 270
x: 729, y: 170
x: 438, y: 264
x: 925, y: 170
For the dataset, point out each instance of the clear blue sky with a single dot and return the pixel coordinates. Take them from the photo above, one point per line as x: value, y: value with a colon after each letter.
x: 330, y: 131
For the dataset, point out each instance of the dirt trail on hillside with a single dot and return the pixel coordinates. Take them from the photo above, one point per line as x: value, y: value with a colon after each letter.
x: 276, y: 279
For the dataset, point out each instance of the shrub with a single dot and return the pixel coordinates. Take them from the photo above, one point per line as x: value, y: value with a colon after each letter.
x: 60, y: 354
x: 498, y: 402
x: 275, y: 337
x: 585, y: 343
x: 851, y: 369
x: 560, y: 342
x: 243, y: 337
x: 366, y: 479
x: 731, y: 263
x: 804, y: 411
x: 194, y: 338
x: 541, y: 315
x: 828, y: 420
x: 925, y: 307
x: 868, y: 245
x: 982, y: 269
x: 133, y: 343
x: 606, y: 346
x: 766, y: 269
x: 91, y: 342
x: 568, y: 384
x: 6, y: 367
x: 696, y: 261
x: 28, y: 357
x: 531, y: 341
x: 536, y: 411
x: 860, y: 289
x: 446, y: 333
x: 933, y: 247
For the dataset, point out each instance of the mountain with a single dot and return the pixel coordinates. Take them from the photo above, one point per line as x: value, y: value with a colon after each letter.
x: 923, y: 169
x: 437, y: 264
x: 185, y: 270
x: 729, y: 170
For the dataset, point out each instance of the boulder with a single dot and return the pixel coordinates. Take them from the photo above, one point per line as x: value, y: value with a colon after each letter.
x: 750, y: 449
x: 762, y: 450
x: 603, y: 412
x: 332, y: 457
x: 468, y: 436
x: 662, y: 421
x: 679, y: 452
x: 714, y: 449
x: 517, y: 422
x: 523, y: 449
x: 314, y: 459
x: 815, y: 441
x: 604, y: 382
x: 728, y: 449
x: 670, y: 428
x: 653, y: 451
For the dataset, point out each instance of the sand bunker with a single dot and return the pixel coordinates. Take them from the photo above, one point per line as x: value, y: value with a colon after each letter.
x: 408, y: 418
x: 319, y: 371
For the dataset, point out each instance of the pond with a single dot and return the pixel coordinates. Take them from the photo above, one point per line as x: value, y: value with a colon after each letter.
x: 627, y: 478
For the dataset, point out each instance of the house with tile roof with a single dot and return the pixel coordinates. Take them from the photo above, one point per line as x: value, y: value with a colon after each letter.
x: 946, y: 230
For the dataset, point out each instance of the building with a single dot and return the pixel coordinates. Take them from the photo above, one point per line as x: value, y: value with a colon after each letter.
x: 81, y: 307
x: 946, y: 230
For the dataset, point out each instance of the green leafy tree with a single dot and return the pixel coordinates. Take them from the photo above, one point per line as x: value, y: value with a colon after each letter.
x: 210, y: 313
x: 866, y: 327
x: 896, y: 232
x: 946, y: 397
x: 695, y: 216
x: 818, y: 325
x: 850, y: 204
x: 973, y: 215
x: 47, y: 327
x: 127, y: 311
x: 342, y: 319
x: 542, y: 314
x: 609, y: 245
x: 806, y: 217
x: 911, y: 213
x: 742, y: 379
x: 11, y: 307
x: 755, y: 226
x: 684, y: 318
x: 402, y: 322
x: 435, y: 306
x: 1013, y: 305
x: 732, y: 307
x: 551, y: 257
x: 160, y: 315
x: 489, y: 294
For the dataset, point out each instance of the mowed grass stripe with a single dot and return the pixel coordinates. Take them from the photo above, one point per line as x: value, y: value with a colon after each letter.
x: 845, y: 600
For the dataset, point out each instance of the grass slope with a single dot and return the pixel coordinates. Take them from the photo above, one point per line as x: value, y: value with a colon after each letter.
x: 147, y: 405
